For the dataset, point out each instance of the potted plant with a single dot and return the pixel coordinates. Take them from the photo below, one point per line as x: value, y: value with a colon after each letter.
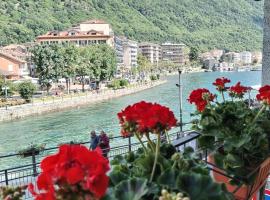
x: 156, y: 171
x: 237, y: 134
x: 32, y: 149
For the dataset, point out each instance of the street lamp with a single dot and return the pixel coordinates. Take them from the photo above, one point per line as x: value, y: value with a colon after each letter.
x: 179, y: 85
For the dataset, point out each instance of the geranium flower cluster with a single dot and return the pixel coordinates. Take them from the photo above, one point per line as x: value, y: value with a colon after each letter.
x: 201, y: 97
x: 264, y: 94
x: 144, y: 117
x: 220, y: 83
x: 73, y: 173
x: 238, y: 90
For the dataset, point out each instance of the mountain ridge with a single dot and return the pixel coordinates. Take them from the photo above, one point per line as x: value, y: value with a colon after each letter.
x: 206, y: 24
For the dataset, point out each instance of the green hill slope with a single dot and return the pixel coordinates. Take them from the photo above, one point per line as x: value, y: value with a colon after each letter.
x: 231, y: 24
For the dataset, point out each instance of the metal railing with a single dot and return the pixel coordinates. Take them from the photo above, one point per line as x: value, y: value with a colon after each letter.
x: 26, y: 172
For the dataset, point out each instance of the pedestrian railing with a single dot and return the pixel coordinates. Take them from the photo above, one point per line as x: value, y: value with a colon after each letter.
x: 27, y: 169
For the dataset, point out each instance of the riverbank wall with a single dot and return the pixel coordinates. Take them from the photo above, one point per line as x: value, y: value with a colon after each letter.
x: 60, y: 104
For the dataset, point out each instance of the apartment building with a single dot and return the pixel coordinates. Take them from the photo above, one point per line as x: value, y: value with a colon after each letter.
x: 86, y: 33
x: 151, y: 51
x: 130, y: 49
x: 246, y: 57
x: 173, y: 52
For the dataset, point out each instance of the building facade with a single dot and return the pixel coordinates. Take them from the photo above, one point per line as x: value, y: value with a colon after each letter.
x: 173, y: 52
x: 130, y: 53
x: 119, y: 50
x: 246, y: 57
x: 151, y: 51
x: 86, y: 33
x: 12, y: 67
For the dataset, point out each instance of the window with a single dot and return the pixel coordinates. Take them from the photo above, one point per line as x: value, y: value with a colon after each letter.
x: 10, y: 68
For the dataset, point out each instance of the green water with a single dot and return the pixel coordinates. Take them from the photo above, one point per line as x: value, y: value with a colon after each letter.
x: 75, y: 124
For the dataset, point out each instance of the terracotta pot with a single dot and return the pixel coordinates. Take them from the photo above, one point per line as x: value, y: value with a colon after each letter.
x: 246, y: 192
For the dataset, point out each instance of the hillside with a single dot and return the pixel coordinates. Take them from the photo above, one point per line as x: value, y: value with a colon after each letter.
x: 231, y: 24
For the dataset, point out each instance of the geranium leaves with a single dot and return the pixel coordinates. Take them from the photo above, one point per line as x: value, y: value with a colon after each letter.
x: 131, y: 189
x: 205, y: 188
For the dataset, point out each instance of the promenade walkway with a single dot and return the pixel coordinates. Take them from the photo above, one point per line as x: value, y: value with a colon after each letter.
x: 54, y: 104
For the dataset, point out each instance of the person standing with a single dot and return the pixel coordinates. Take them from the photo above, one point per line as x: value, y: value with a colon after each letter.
x: 94, y: 141
x: 104, y: 143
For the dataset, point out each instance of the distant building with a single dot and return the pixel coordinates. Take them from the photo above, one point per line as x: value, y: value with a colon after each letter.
x: 173, y: 52
x: 233, y: 57
x: 19, y: 60
x: 119, y: 50
x: 246, y: 57
x: 13, y: 67
x: 130, y: 53
x: 236, y: 58
x: 211, y: 64
x: 151, y: 51
x: 86, y: 33
x: 217, y: 53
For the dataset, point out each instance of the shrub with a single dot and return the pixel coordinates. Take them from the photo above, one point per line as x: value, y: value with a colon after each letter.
x: 118, y: 83
x: 26, y: 90
x: 123, y: 83
x: 153, y: 78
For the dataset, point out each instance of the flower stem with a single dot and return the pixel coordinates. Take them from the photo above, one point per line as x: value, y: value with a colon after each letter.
x: 168, y: 137
x: 156, y: 158
x: 144, y: 148
x: 258, y: 114
x: 222, y: 93
x: 150, y: 142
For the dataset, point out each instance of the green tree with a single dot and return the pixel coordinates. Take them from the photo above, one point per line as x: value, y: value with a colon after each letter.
x: 69, y: 56
x: 144, y: 65
x: 103, y: 59
x: 193, y: 54
x: 26, y: 90
x: 47, y: 59
x: 85, y: 67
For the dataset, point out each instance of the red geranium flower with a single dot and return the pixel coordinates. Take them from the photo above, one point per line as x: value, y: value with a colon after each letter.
x: 238, y: 90
x: 220, y: 83
x: 73, y: 169
x: 264, y: 94
x: 201, y: 97
x: 144, y: 117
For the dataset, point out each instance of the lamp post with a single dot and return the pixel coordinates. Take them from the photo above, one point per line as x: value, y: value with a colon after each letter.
x: 179, y: 85
x: 5, y: 83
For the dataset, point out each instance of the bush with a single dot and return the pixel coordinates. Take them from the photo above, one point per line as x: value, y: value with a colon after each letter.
x: 12, y: 87
x: 118, y: 83
x: 153, y: 78
x: 26, y: 90
x: 123, y: 83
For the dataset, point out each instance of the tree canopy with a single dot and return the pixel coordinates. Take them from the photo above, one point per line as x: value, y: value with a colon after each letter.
x: 207, y: 24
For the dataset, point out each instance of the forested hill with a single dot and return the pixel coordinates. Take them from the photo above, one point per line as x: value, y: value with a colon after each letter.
x: 231, y: 24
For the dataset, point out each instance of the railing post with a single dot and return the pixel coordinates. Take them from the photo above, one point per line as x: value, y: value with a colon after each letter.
x: 34, y: 163
x: 6, y: 177
x: 129, y: 144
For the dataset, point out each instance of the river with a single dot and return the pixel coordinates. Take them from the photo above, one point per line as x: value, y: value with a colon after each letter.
x: 75, y: 124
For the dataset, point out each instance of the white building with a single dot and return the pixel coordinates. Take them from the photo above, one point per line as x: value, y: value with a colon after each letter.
x: 151, y: 51
x: 130, y: 53
x: 86, y: 33
x: 246, y: 57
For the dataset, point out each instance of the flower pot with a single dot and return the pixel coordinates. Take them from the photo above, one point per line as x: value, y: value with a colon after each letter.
x: 245, y: 192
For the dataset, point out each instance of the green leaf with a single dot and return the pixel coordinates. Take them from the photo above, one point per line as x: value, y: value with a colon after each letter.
x: 168, y: 179
x: 116, y: 177
x: 201, y: 187
x: 131, y: 189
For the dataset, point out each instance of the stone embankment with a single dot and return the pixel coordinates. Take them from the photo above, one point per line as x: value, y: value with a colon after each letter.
x: 38, y: 108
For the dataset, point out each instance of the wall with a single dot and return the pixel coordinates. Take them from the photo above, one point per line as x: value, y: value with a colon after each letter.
x: 17, y: 112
